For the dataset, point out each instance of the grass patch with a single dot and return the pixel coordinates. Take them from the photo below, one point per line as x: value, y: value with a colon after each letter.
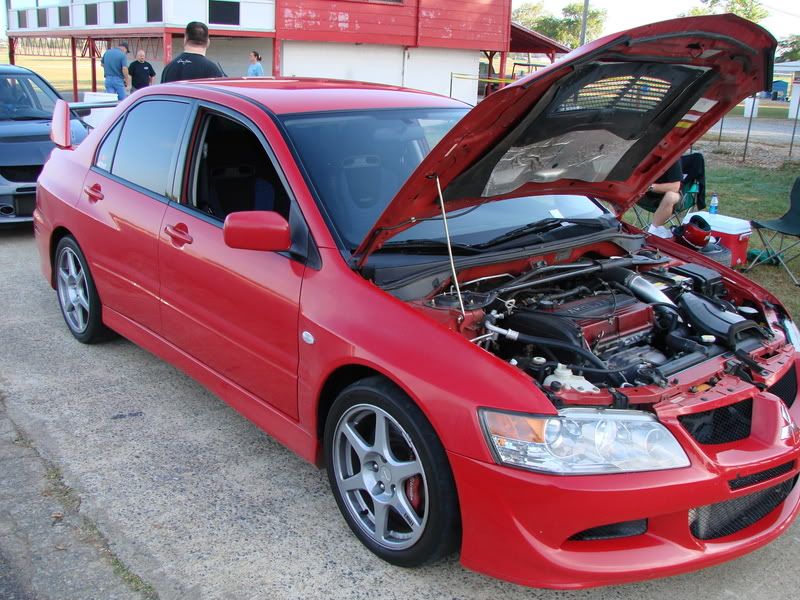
x: 766, y: 112
x: 90, y: 534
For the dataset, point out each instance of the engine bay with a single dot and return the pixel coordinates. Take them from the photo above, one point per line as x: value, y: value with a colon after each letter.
x: 591, y: 330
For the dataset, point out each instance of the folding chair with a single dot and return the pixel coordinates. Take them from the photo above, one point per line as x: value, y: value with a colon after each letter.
x: 692, y: 193
x: 788, y: 226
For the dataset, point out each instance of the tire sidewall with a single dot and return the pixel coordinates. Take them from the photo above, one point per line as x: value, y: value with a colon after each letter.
x: 442, y: 530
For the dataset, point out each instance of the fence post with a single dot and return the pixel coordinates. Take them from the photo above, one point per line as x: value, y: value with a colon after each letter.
x: 749, y: 125
x: 721, y: 121
x: 794, y: 128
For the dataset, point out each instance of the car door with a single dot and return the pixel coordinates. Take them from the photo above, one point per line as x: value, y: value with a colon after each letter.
x: 234, y: 310
x: 125, y: 194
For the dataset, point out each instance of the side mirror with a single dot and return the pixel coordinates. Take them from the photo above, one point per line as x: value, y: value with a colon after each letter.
x: 61, y: 125
x: 82, y: 112
x: 257, y: 230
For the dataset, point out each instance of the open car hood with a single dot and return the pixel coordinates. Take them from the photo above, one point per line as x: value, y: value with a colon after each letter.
x: 605, y: 121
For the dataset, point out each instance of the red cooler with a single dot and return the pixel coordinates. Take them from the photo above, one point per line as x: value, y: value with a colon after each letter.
x: 733, y: 233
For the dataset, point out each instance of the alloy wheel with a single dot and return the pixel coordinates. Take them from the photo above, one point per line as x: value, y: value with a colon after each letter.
x: 73, y: 290
x: 380, y: 477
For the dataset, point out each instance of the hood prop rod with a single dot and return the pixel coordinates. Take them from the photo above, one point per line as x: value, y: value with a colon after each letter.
x: 450, y: 248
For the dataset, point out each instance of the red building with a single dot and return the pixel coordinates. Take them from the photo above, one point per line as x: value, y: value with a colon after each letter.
x: 428, y: 44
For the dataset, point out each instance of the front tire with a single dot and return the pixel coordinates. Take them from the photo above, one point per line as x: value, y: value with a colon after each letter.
x: 390, y: 475
x: 77, y: 294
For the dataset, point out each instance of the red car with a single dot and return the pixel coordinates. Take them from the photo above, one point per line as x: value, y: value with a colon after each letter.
x: 442, y: 307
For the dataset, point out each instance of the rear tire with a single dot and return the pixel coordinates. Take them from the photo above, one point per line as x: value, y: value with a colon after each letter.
x: 77, y: 294
x: 395, y: 489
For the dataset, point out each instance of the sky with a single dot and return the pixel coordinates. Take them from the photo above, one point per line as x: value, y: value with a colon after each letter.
x: 784, y: 18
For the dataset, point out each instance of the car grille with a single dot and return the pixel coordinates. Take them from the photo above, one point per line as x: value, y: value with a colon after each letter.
x: 610, y: 532
x: 722, y: 425
x: 786, y: 387
x: 21, y: 174
x: 726, y: 518
x: 761, y: 477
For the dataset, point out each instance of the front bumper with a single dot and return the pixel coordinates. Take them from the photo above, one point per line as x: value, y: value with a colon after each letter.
x: 518, y: 525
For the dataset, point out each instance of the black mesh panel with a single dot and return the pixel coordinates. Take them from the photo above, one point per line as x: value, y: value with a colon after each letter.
x: 762, y: 476
x: 726, y: 518
x: 786, y: 387
x: 722, y: 425
x: 610, y: 532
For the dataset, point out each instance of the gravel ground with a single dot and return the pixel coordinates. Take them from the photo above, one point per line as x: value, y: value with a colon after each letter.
x: 198, y: 503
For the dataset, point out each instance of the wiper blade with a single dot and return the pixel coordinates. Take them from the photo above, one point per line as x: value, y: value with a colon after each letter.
x: 544, y: 225
x: 29, y: 118
x: 434, y: 245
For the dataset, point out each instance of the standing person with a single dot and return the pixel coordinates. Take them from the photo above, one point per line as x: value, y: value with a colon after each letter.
x: 192, y: 62
x: 255, y: 69
x: 115, y: 70
x: 142, y: 72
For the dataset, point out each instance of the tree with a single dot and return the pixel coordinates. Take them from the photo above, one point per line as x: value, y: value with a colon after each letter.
x: 789, y: 48
x: 566, y: 28
x: 527, y: 14
x: 751, y: 10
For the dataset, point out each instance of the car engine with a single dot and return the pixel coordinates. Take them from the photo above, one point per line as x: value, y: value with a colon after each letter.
x: 609, y: 323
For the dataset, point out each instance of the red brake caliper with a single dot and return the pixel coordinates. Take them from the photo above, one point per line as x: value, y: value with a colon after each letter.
x: 414, y: 492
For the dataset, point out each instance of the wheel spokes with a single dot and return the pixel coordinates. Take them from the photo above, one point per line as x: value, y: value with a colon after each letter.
x: 403, y: 470
x: 381, y: 443
x: 381, y: 511
x: 403, y: 507
x: 353, y: 483
x: 358, y: 444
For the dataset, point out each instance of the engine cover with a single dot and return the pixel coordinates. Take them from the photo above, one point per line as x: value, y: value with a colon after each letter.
x: 593, y: 320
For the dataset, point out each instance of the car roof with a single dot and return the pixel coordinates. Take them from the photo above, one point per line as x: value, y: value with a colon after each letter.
x: 14, y: 70
x: 301, y: 95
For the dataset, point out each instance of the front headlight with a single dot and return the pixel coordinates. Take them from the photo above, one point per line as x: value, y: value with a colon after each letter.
x: 582, y: 441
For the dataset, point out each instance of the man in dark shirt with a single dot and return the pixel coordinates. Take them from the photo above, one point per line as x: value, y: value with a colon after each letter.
x: 142, y: 72
x: 192, y: 62
x: 664, y: 195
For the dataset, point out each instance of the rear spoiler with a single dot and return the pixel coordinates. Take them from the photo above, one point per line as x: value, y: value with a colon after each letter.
x: 61, y: 126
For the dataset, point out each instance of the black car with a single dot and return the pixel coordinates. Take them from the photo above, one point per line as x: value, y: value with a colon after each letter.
x: 26, y: 108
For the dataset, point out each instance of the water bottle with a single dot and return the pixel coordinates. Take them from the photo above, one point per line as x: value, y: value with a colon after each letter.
x: 713, y: 206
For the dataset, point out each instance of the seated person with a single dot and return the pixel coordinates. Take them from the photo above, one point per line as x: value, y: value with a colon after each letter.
x: 664, y: 194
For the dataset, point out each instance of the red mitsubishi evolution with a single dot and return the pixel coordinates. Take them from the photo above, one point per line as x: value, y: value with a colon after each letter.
x: 442, y: 307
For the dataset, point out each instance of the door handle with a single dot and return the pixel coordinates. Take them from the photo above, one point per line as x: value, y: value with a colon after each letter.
x: 179, y: 234
x: 94, y: 192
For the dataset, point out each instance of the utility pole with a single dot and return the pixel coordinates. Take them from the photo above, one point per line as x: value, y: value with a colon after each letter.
x: 583, y: 22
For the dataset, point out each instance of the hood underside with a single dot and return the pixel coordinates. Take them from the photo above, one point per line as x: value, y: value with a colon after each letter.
x: 606, y: 121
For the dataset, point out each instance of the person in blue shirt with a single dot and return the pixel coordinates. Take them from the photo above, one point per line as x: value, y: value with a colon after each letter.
x: 115, y: 69
x: 255, y: 69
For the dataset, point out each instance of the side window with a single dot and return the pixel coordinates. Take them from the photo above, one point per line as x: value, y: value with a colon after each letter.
x: 147, y: 144
x: 105, y: 155
x: 232, y: 172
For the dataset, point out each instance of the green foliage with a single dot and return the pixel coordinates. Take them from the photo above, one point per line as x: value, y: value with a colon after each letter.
x: 527, y: 14
x: 789, y: 48
x: 565, y: 29
x: 751, y: 10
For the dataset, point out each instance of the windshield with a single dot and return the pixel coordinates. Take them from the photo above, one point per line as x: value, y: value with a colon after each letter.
x: 481, y: 224
x: 25, y: 97
x: 358, y: 160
